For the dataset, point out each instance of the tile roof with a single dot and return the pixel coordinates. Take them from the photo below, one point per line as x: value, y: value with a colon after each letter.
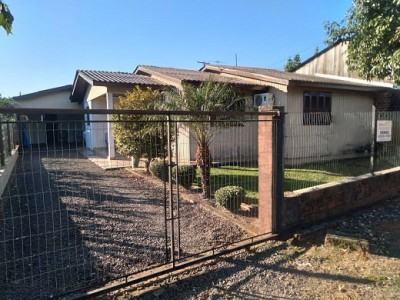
x: 286, y: 76
x: 117, y: 77
x: 189, y: 75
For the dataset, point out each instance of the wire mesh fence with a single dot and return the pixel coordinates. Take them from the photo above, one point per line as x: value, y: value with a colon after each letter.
x: 388, y: 152
x: 338, y: 148
x: 81, y: 210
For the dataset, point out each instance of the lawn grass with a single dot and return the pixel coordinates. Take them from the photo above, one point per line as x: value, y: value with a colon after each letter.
x: 295, y: 178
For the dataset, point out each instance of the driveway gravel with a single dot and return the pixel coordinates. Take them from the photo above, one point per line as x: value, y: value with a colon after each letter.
x: 68, y: 224
x: 280, y: 270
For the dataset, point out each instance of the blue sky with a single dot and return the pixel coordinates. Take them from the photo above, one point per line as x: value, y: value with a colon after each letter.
x: 53, y: 38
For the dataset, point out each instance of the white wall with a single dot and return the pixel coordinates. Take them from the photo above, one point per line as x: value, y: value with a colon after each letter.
x: 95, y: 132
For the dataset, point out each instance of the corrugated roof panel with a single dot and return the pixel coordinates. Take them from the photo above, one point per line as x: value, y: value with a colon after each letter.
x: 119, y: 77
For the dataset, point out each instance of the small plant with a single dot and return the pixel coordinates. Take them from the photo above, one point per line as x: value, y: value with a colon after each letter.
x: 186, y: 175
x: 230, y: 197
x: 159, y: 169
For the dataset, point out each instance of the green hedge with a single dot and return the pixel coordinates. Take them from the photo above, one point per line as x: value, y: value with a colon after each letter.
x: 230, y: 197
x: 186, y: 175
x: 156, y: 169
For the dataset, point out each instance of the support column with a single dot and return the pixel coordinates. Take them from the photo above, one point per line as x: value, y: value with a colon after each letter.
x: 270, y: 170
x: 110, y: 136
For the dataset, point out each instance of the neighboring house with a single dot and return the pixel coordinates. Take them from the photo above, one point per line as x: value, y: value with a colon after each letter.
x: 53, y: 130
x: 331, y: 62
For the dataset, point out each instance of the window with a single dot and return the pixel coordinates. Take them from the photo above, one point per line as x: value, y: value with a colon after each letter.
x: 317, y: 108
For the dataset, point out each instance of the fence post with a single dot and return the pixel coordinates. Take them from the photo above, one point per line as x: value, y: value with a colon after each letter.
x: 170, y: 187
x: 373, y: 143
x: 266, y: 205
x: 9, y: 147
x: 2, y: 154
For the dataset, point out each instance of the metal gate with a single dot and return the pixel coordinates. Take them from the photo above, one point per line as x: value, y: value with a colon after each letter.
x: 78, y: 214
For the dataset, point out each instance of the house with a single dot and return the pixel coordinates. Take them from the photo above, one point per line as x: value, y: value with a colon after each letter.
x: 57, y: 128
x: 326, y: 117
x: 317, y: 107
x: 101, y: 90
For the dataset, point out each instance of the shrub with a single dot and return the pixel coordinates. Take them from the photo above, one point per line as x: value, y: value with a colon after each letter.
x: 158, y: 169
x: 186, y: 175
x: 230, y: 197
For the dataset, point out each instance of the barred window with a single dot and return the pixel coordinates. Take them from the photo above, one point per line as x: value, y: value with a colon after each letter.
x: 317, y: 108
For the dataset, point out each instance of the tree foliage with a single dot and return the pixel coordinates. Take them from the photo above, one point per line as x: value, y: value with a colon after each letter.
x: 6, y: 102
x: 6, y: 18
x: 209, y: 96
x: 139, y: 135
x: 372, y: 28
x: 292, y: 63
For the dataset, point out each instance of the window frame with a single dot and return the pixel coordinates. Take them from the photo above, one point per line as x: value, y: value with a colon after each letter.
x: 317, y: 108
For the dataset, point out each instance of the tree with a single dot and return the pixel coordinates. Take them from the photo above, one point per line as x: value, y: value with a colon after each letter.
x: 209, y: 96
x: 139, y: 135
x: 292, y: 64
x: 6, y: 102
x: 372, y: 28
x: 6, y: 18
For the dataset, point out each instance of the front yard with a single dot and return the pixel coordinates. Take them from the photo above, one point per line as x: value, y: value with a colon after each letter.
x: 295, y: 178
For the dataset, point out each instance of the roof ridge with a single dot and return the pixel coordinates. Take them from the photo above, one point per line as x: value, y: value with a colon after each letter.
x: 102, y: 71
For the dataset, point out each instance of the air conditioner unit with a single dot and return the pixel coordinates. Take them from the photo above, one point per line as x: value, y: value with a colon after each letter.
x: 264, y: 99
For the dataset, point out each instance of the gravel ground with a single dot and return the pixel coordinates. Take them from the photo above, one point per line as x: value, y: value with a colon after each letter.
x: 278, y: 270
x: 66, y: 223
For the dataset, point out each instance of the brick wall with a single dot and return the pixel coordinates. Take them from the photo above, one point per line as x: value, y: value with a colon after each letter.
x: 313, y: 205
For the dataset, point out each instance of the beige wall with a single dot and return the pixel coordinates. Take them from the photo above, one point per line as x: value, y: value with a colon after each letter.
x: 58, y: 100
x: 350, y: 127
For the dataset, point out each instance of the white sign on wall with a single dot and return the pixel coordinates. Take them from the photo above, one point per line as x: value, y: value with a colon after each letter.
x: 384, y: 131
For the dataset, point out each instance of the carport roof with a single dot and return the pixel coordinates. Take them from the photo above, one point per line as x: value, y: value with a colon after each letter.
x: 63, y: 88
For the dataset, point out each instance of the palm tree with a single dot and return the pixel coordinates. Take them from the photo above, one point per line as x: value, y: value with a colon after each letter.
x: 209, y: 96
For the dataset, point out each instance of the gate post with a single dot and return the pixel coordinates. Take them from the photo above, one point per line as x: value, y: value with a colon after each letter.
x: 2, y: 153
x: 270, y: 169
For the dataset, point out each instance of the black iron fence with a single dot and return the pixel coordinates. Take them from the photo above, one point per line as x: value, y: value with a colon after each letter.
x: 107, y: 197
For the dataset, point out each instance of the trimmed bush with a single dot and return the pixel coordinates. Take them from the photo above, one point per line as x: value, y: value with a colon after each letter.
x: 186, y: 175
x: 230, y: 197
x: 156, y: 169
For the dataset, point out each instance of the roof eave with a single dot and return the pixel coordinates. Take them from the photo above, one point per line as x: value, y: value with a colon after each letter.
x: 75, y: 95
x: 339, y: 86
x: 44, y: 92
x: 246, y: 74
